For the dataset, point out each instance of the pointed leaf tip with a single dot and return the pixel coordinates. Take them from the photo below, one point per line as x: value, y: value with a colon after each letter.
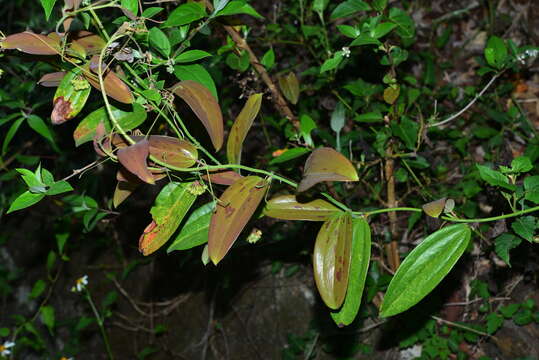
x: 326, y: 164
x: 134, y: 159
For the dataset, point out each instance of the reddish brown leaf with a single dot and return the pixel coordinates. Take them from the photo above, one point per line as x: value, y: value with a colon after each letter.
x: 173, y: 151
x: 223, y: 177
x: 134, y: 159
x: 114, y: 86
x: 286, y: 207
x: 30, y: 43
x: 331, y: 259
x: 52, y: 79
x: 70, y: 97
x: 92, y: 44
x: 241, y: 126
x: 326, y: 164
x: 61, y: 111
x: 233, y: 211
x: 205, y: 107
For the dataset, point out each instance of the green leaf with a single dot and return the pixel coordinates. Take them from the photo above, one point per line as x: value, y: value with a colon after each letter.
x: 241, y: 127
x: 338, y: 117
x: 25, y: 200
x: 47, y: 6
x: 348, y: 8
x: 198, y: 73
x: 332, y: 63
x: 151, y: 12
x: 38, y: 288
x: 286, y: 207
x: 382, y: 29
x: 131, y: 5
x: 289, y: 85
x: 59, y: 188
x: 268, y: 60
x: 496, y: 52
x: 39, y: 126
x: 11, y: 133
x: 4, y: 332
x: 191, y: 55
x: 531, y: 189
x: 171, y: 205
x: 319, y: 6
x: 239, y: 7
x: 407, y: 131
x: 494, y: 322
x: 424, y: 268
x: 86, y: 130
x: 307, y: 125
x: 405, y: 24
x: 185, y: 14
x: 494, y: 178
x: 379, y: 5
x: 509, y: 310
x: 239, y: 63
x: 159, y: 41
x: 196, y: 228
x: 47, y: 317
x: 349, y: 31
x: 504, y: 243
x: 521, y: 164
x: 359, y: 267
x: 524, y: 227
x: 289, y: 155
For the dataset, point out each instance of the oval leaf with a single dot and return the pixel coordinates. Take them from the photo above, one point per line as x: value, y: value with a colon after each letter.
x: 331, y: 259
x: 52, y: 79
x: 359, y: 267
x: 424, y: 268
x: 326, y: 164
x: 70, y: 97
x: 434, y: 208
x: 196, y: 229
x: 241, y: 126
x: 223, y: 177
x: 171, y: 205
x: 30, y: 43
x: 289, y: 85
x: 235, y: 208
x: 114, y: 86
x: 173, y: 151
x: 134, y: 159
x: 205, y: 107
x: 286, y: 207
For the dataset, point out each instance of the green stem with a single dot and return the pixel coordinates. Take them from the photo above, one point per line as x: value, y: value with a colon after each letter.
x: 493, y: 218
x: 100, y: 322
x: 381, y: 211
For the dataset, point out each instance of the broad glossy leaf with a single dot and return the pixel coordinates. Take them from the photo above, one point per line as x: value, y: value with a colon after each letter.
x: 286, y: 207
x: 52, y: 79
x: 288, y: 155
x: 424, y: 268
x: 30, y: 43
x: 70, y: 97
x: 185, y: 14
x: 134, y: 159
x: 223, y: 177
x: 196, y: 229
x: 331, y: 259
x: 435, y: 208
x: 205, y: 107
x: 241, y: 126
x: 86, y: 130
x: 114, y: 86
x: 24, y: 200
x: 326, y: 164
x: 233, y: 211
x: 173, y: 151
x: 198, y: 73
x: 171, y: 205
x: 359, y: 267
x: 122, y: 191
x: 289, y: 85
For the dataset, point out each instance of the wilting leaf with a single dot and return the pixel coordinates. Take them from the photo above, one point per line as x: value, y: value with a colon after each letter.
x: 171, y: 205
x: 196, y: 229
x: 70, y: 97
x: 52, y: 79
x: 123, y: 191
x: 30, y: 43
x: 223, y: 177
x: 86, y: 130
x: 114, y: 86
x: 286, y: 207
x: 173, y: 151
x: 92, y: 44
x: 290, y: 87
x: 331, y: 259
x: 326, y: 164
x: 205, y: 107
x: 434, y: 208
x: 359, y: 266
x: 134, y: 159
x: 424, y: 268
x: 235, y: 208
x: 241, y: 127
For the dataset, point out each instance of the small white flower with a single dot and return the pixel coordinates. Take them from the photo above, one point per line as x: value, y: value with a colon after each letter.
x: 346, y: 51
x: 80, y: 284
x: 4, y: 348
